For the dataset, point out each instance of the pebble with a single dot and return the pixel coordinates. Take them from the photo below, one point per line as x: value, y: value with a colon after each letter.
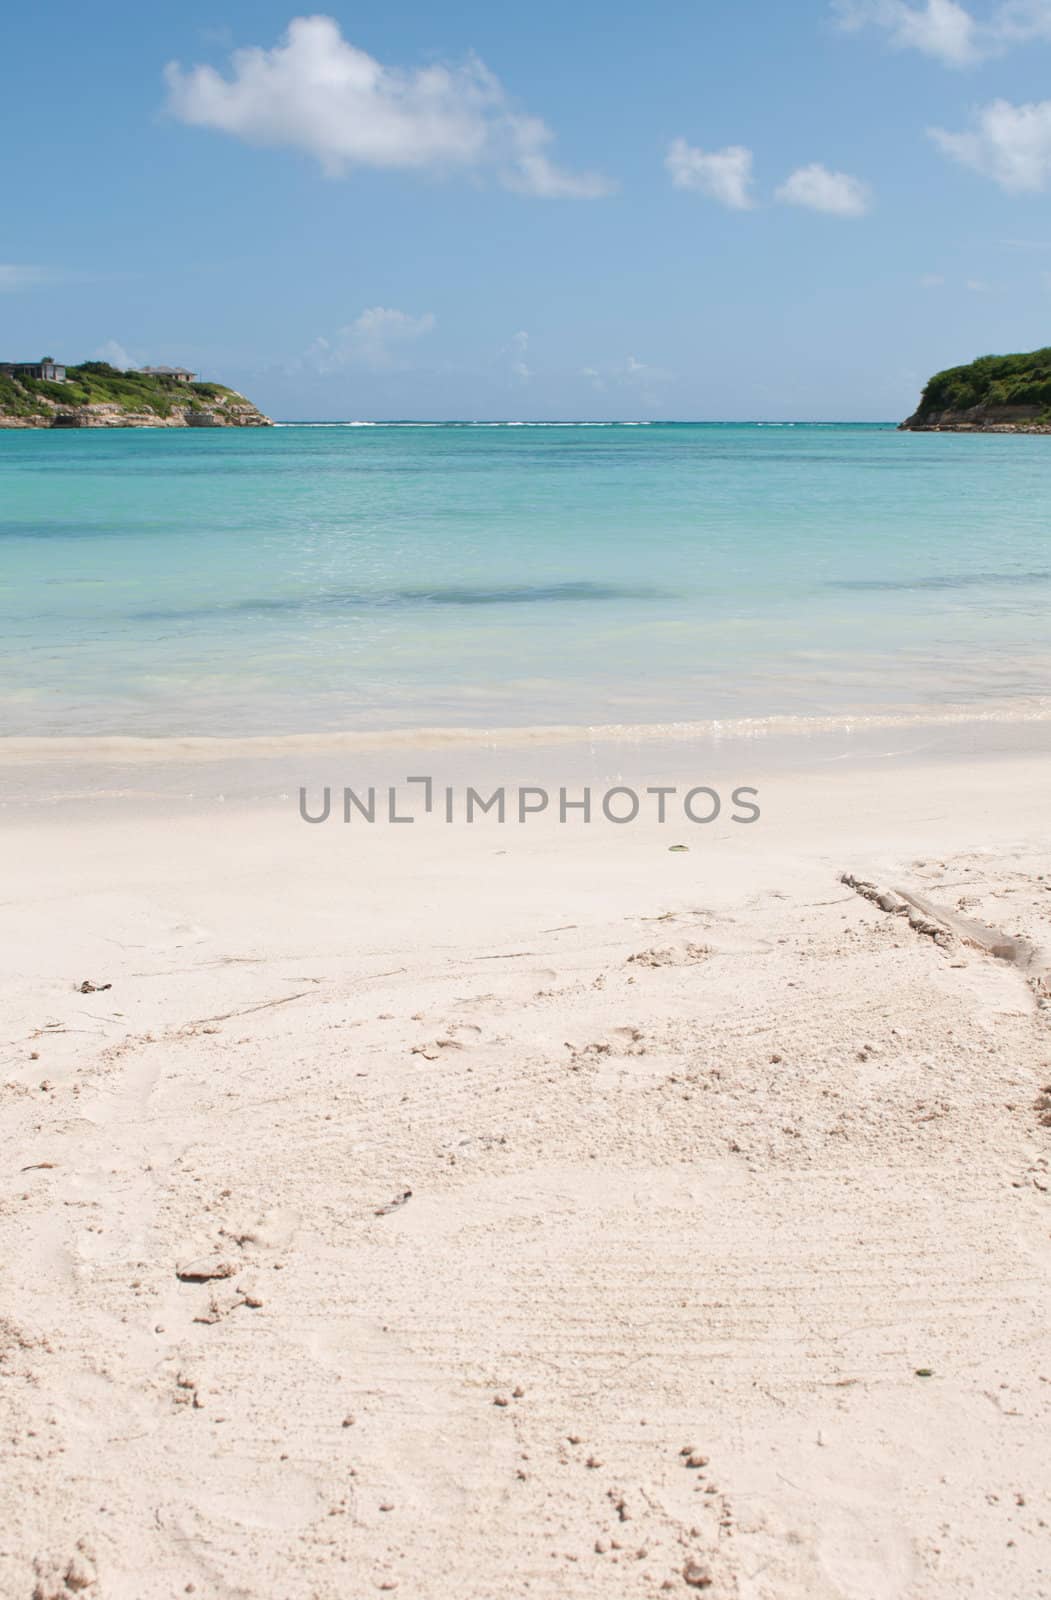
x: 517, y: 1392
x: 601, y: 1547
x: 696, y: 1460
x: 501, y: 1400
x: 696, y: 1576
x: 348, y: 1422
x: 204, y: 1269
x: 593, y: 1461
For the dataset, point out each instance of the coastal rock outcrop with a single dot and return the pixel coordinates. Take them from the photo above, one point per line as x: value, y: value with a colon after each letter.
x: 99, y: 396
x: 995, y: 394
x: 980, y: 419
x: 234, y: 415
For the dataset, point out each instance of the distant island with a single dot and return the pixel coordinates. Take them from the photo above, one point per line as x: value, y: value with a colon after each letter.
x: 995, y: 394
x: 46, y: 394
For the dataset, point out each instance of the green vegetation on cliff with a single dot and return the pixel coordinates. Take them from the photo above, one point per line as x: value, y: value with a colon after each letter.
x: 991, y: 382
x: 95, y: 383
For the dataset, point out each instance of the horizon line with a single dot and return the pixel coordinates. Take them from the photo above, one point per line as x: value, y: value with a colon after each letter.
x: 588, y: 422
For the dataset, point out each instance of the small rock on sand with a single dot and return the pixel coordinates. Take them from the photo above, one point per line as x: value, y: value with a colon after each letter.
x: 204, y: 1268
x: 80, y: 1573
x: 696, y: 1576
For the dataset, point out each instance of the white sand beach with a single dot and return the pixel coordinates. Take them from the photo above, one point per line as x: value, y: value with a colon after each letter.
x: 529, y: 1211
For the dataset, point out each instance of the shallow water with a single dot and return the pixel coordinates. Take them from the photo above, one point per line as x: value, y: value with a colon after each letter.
x: 324, y: 578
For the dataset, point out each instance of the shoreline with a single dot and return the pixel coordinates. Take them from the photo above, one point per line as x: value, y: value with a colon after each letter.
x: 56, y: 778
x: 973, y: 427
x: 204, y: 747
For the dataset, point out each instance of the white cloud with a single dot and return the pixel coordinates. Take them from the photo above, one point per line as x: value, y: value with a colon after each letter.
x: 643, y: 381
x: 724, y: 175
x: 628, y: 374
x: 1010, y: 144
x: 934, y: 280
x: 1018, y: 21
x: 530, y: 171
x: 946, y: 30
x: 939, y: 28
x: 836, y: 193
x: 14, y: 277
x: 372, y: 340
x: 517, y: 348
x: 115, y: 354
x: 317, y: 92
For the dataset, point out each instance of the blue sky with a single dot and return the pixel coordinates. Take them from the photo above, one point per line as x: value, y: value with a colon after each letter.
x: 685, y: 210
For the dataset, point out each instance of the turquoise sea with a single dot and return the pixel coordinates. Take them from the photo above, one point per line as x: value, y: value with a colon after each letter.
x: 391, y: 576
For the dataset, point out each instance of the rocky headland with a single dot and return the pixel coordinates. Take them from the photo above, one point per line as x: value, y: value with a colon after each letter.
x: 96, y: 395
x: 995, y: 394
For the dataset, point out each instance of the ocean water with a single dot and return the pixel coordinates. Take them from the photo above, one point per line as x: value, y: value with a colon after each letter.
x: 330, y: 578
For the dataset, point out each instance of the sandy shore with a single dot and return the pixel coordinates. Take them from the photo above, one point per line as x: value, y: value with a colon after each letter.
x: 529, y: 1211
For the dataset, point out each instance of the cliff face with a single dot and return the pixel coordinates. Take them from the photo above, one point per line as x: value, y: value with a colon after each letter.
x: 980, y: 419
x: 97, y: 396
x: 995, y: 394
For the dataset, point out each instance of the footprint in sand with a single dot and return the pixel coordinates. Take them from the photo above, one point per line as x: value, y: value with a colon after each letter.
x: 449, y: 1040
x: 57, y: 1580
x: 685, y: 955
